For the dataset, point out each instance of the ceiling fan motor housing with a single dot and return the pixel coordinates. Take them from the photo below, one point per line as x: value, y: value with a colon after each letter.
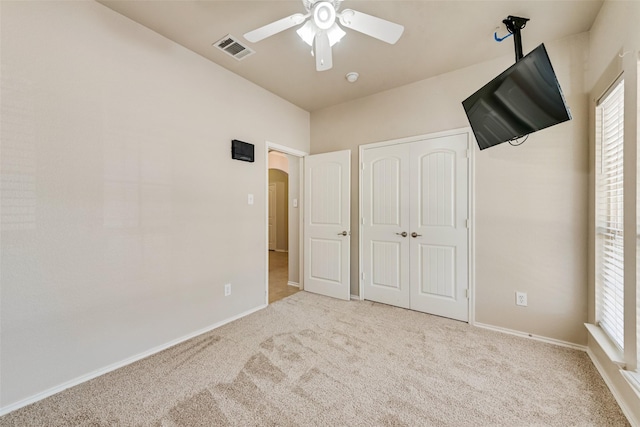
x: 324, y: 15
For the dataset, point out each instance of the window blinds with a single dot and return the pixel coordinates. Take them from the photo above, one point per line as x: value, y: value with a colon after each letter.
x: 610, y: 213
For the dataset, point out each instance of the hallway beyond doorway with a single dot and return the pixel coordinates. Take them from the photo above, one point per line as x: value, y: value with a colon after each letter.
x: 279, y: 277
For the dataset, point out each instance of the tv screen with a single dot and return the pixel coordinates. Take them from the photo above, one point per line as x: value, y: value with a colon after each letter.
x: 525, y: 98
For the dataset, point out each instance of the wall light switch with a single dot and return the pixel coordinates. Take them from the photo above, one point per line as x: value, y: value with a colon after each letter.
x: 250, y: 199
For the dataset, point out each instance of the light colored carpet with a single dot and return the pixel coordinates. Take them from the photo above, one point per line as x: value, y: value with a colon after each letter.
x: 308, y: 360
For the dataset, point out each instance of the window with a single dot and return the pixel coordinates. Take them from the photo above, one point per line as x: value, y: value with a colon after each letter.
x: 610, y: 213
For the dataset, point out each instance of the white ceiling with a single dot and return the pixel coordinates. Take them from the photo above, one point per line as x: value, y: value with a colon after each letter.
x: 439, y: 37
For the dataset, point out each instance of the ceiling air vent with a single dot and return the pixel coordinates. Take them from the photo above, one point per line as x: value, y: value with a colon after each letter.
x: 233, y: 47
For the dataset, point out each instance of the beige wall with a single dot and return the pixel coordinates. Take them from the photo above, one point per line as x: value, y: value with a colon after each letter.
x: 614, y: 48
x: 123, y: 214
x: 530, y: 201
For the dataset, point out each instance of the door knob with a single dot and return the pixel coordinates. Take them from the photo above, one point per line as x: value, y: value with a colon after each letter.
x: 344, y: 233
x: 414, y: 234
x: 403, y: 234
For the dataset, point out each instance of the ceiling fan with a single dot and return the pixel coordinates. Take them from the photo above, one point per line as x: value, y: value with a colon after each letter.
x: 322, y: 31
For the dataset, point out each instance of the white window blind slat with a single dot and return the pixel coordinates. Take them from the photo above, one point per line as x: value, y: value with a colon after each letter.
x: 610, y: 213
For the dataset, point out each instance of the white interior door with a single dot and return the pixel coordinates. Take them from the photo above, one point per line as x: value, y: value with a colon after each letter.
x: 421, y: 189
x: 272, y: 216
x: 327, y: 236
x: 386, y: 225
x: 439, y: 235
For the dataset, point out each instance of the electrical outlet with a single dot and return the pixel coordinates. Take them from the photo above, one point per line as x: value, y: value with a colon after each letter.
x: 227, y: 289
x: 521, y: 298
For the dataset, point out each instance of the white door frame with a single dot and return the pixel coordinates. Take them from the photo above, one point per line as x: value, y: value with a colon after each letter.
x: 300, y: 154
x: 471, y: 188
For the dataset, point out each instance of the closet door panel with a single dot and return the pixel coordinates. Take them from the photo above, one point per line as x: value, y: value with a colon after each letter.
x: 385, y: 257
x: 439, y: 212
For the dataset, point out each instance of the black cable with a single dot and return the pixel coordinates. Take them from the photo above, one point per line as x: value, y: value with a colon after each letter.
x: 515, y: 140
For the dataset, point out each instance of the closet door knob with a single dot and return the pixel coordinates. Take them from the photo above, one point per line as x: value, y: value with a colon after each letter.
x: 403, y: 234
x: 414, y: 235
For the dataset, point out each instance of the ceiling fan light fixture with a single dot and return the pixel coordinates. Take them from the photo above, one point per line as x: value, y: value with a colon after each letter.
x: 307, y: 32
x: 335, y: 34
x: 321, y: 31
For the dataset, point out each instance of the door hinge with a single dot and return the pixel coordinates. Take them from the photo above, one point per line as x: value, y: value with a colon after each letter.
x: 466, y: 223
x: 362, y: 165
x: 363, y: 220
x: 362, y: 276
x: 466, y: 293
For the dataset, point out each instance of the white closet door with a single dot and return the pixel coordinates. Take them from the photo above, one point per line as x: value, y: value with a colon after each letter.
x: 385, y: 205
x: 439, y: 213
x: 327, y: 232
x: 419, y: 188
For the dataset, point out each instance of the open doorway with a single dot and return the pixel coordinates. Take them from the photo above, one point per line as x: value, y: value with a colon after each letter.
x: 283, y: 222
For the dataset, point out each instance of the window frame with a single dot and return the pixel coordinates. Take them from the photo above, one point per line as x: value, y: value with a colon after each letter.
x: 609, y: 212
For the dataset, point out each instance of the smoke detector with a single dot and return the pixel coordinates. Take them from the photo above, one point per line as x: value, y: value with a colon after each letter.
x: 352, y: 77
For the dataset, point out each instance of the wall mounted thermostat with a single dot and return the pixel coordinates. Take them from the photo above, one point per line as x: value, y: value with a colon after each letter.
x: 242, y: 151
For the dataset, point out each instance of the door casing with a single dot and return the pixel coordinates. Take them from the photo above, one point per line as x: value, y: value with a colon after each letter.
x: 300, y: 154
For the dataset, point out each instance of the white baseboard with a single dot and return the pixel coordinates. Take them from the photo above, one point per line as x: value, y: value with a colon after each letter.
x: 294, y: 284
x: 91, y: 375
x: 531, y: 336
x: 355, y: 297
x: 614, y: 391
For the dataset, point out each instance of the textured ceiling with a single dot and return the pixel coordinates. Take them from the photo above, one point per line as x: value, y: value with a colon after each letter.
x: 439, y: 37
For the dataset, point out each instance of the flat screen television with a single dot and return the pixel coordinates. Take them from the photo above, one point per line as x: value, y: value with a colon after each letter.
x: 524, y: 98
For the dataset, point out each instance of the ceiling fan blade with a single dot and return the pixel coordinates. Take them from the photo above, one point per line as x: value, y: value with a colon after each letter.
x: 372, y: 26
x: 275, y: 27
x: 322, y: 51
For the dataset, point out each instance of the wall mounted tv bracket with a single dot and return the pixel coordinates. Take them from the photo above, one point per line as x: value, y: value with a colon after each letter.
x: 514, y: 25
